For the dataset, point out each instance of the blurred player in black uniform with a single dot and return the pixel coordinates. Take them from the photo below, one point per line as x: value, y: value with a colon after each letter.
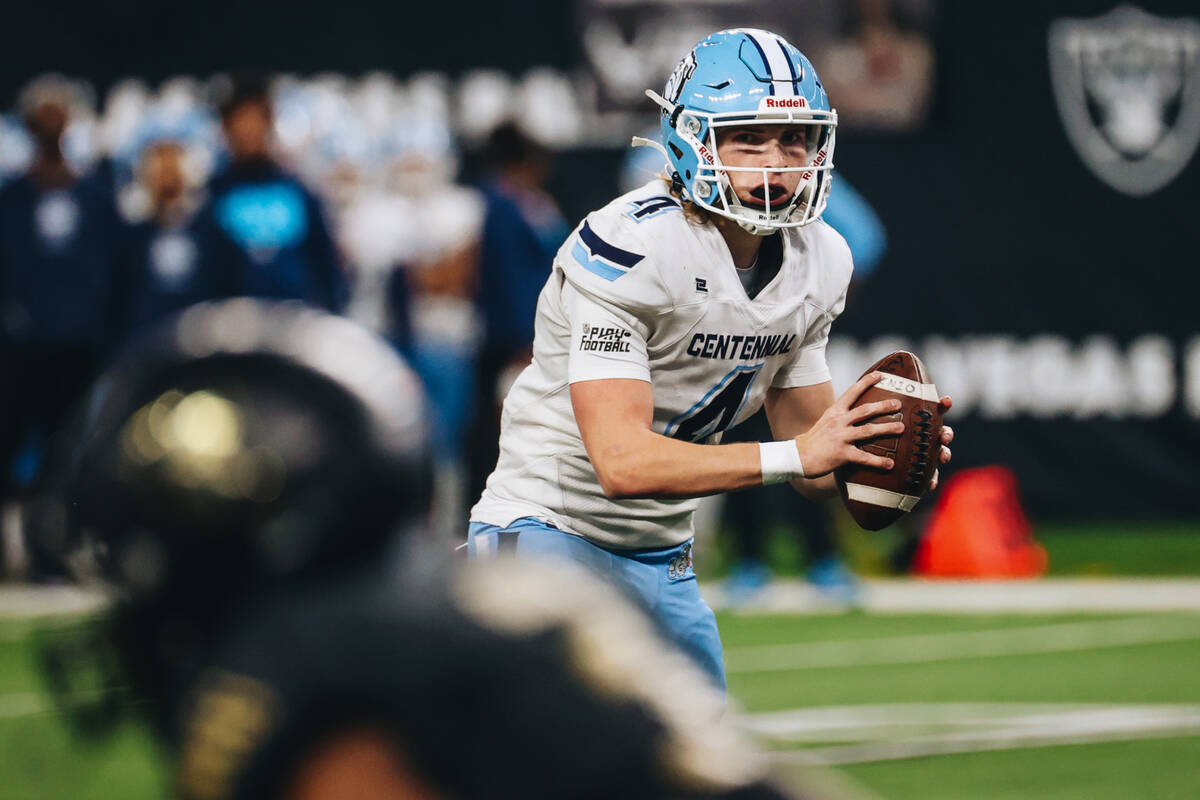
x: 252, y: 481
x: 242, y: 449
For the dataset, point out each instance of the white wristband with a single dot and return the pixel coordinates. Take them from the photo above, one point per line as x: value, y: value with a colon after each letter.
x: 780, y: 461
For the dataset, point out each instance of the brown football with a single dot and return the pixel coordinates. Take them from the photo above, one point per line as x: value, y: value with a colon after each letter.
x: 876, y: 498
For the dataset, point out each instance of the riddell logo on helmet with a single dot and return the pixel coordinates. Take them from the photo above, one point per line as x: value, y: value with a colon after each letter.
x: 816, y: 162
x: 783, y: 102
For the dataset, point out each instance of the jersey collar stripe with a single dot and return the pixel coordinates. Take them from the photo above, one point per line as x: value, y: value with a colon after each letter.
x: 608, y: 252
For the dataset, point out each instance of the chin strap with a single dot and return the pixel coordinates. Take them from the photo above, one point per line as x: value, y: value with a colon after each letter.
x: 642, y: 141
x: 676, y: 181
x: 661, y: 101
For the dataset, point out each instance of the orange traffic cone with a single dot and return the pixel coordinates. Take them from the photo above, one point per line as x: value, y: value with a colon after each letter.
x: 978, y: 530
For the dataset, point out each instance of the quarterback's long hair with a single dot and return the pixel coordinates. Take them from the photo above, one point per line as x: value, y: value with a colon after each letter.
x: 692, y: 212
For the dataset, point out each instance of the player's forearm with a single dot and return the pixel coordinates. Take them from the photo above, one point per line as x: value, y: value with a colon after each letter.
x: 647, y: 464
x: 821, y: 488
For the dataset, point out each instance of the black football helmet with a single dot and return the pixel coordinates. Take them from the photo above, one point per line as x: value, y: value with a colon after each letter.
x: 242, y: 447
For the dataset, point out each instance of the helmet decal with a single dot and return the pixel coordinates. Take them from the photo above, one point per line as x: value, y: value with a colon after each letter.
x: 679, y: 76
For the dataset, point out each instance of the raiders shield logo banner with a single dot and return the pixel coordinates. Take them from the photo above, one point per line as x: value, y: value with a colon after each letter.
x: 1128, y: 89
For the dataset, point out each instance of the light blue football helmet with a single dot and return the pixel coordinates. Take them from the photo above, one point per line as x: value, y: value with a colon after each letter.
x: 731, y: 79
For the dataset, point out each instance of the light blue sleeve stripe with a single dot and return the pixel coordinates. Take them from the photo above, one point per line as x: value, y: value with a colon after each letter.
x: 595, y: 265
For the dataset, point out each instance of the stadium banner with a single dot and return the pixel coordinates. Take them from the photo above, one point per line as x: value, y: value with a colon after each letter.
x: 1042, y: 258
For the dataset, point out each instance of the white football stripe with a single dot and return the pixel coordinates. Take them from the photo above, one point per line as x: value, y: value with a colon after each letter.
x: 1033, y: 597
x: 903, y: 730
x: 875, y: 496
x: 959, y: 645
x: 777, y: 63
x: 21, y: 704
x: 894, y: 383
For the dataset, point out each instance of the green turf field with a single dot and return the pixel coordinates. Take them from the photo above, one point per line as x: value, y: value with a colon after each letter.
x: 41, y: 758
x: 911, y: 706
x: 1055, y: 710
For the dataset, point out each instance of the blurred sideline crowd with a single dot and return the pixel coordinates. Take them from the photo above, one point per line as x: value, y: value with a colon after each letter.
x: 337, y: 194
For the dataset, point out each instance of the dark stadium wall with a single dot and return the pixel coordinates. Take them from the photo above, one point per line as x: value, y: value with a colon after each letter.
x: 110, y: 40
x: 999, y: 236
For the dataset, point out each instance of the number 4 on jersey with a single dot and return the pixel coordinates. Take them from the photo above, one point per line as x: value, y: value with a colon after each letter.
x: 717, y: 410
x: 647, y: 207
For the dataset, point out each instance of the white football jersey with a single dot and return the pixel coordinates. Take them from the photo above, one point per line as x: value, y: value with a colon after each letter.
x: 639, y: 291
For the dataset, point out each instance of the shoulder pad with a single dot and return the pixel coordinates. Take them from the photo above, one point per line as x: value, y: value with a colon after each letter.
x: 608, y: 256
x: 831, y: 254
x: 834, y: 244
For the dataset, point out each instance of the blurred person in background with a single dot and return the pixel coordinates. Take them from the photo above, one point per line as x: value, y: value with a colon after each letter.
x: 16, y: 150
x: 881, y: 70
x: 253, y: 482
x: 436, y: 293
x: 261, y: 228
x: 161, y: 270
x: 411, y: 235
x: 59, y: 235
x: 522, y: 230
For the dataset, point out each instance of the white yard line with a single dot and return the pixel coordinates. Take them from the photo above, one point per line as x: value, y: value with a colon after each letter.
x: 858, y: 723
x: 905, y: 730
x: 962, y: 644
x: 22, y: 601
x: 21, y: 704
x: 879, y: 595
x: 1041, y: 596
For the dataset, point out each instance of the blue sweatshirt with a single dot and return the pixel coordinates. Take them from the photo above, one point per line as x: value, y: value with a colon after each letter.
x: 521, y: 233
x: 265, y: 235
x: 160, y: 272
x: 57, y: 252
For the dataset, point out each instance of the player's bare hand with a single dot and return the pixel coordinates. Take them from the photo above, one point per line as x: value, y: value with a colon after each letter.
x: 947, y: 438
x: 830, y: 442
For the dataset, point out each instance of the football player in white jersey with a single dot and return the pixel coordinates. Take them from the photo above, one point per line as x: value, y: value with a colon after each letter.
x: 677, y: 311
